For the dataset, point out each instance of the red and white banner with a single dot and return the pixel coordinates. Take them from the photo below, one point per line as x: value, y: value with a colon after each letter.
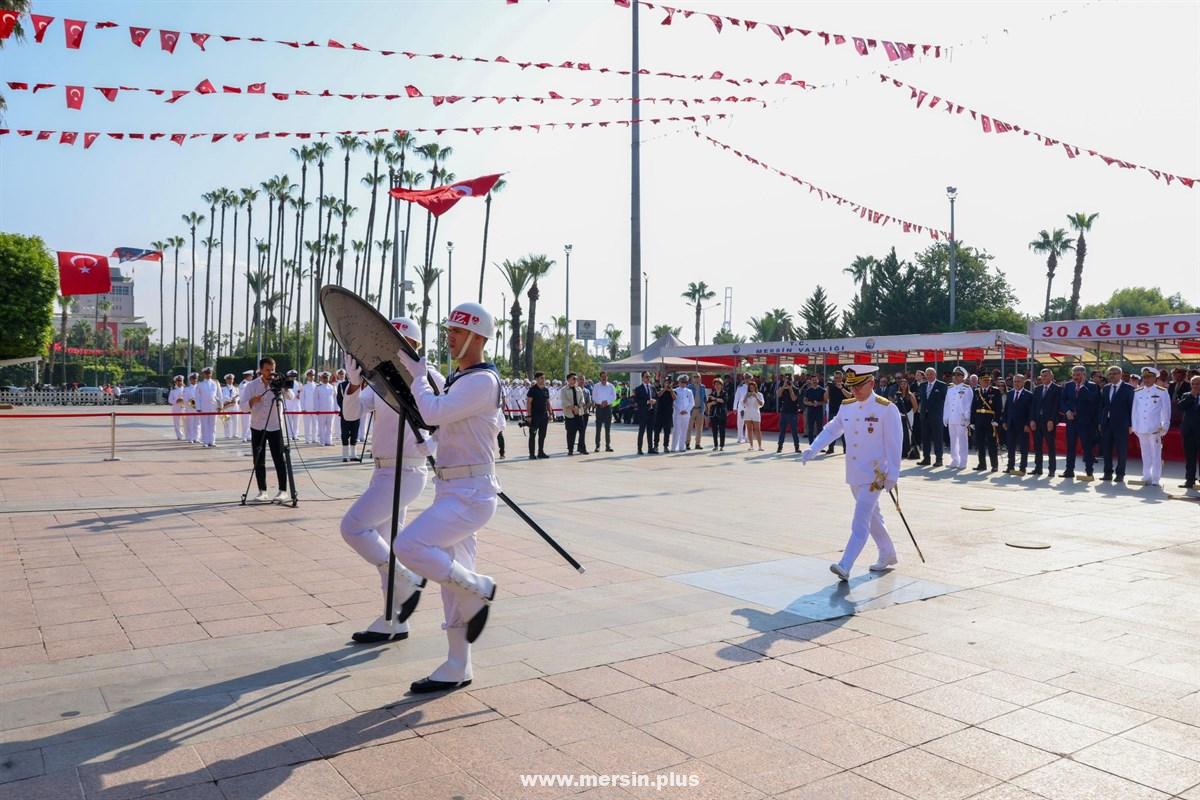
x: 83, y: 273
x: 1171, y: 326
x: 989, y: 123
x: 206, y: 87
x: 868, y: 214
x: 168, y: 40
x: 89, y: 137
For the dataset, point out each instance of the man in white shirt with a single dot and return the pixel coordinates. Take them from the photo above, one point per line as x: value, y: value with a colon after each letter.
x: 191, y: 422
x: 308, y: 402
x: 956, y: 415
x: 685, y: 401
x: 229, y: 406
x: 208, y: 402
x: 265, y: 431
x: 738, y: 395
x: 178, y: 405
x: 696, y: 425
x: 1151, y: 419
x: 291, y: 402
x: 604, y: 396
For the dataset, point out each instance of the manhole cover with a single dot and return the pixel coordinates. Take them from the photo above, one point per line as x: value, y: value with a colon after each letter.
x: 1029, y: 545
x: 978, y: 508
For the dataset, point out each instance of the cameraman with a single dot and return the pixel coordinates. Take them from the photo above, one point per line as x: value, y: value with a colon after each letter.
x: 788, y: 403
x: 264, y: 428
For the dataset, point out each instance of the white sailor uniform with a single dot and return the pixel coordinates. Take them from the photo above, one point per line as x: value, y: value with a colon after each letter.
x: 1150, y: 420
x: 229, y: 404
x: 739, y: 394
x: 308, y: 402
x: 326, y: 401
x: 291, y: 404
x: 191, y: 422
x: 440, y: 543
x: 874, y: 438
x: 956, y: 415
x: 685, y: 401
x: 244, y: 417
x: 178, y: 410
x: 208, y: 402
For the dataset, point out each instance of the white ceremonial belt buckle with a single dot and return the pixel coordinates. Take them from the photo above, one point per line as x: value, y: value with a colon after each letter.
x: 465, y: 471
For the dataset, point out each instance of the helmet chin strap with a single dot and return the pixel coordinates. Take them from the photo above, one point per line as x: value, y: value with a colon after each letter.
x: 462, y: 351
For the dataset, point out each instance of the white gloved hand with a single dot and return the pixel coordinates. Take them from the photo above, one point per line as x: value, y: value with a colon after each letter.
x: 889, y: 483
x: 415, y: 367
x: 807, y: 455
x: 353, y: 370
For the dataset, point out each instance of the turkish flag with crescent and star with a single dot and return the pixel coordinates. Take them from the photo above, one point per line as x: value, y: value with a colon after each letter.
x: 73, y: 29
x: 441, y: 199
x: 74, y: 97
x: 83, y: 273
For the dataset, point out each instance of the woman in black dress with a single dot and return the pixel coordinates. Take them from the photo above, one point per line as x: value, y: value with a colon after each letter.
x: 663, y: 416
x: 716, y: 413
x: 906, y: 403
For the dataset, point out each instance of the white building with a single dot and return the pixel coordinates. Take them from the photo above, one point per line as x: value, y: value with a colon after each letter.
x: 121, y: 316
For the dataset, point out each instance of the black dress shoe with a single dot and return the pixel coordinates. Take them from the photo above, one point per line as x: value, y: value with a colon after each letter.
x: 923, y: 462
x: 542, y: 455
x: 937, y: 463
x: 608, y: 449
x: 980, y: 467
x: 1050, y: 474
x: 1068, y: 474
x: 533, y: 458
x: 583, y: 452
x: 1106, y: 476
x: 428, y: 685
x: 1119, y: 479
x: 993, y: 469
x: 1188, y: 485
x: 640, y: 453
x: 1035, y: 473
x: 372, y: 637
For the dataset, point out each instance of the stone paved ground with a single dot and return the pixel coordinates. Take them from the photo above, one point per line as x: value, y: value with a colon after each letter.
x: 158, y: 640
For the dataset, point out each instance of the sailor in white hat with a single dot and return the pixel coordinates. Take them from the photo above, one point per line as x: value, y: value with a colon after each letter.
x: 1151, y: 419
x: 364, y: 524
x: 178, y: 407
x: 208, y: 403
x: 308, y: 402
x: 326, y: 402
x: 956, y: 415
x: 191, y: 422
x: 440, y: 543
x: 874, y: 438
x: 229, y: 405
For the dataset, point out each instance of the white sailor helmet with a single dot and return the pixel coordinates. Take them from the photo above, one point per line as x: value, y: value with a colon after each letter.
x: 408, y: 328
x: 206, y: 369
x: 246, y: 372
x: 291, y: 373
x: 1153, y: 372
x: 961, y: 370
x: 474, y: 318
x: 857, y: 374
x: 193, y: 374
x: 178, y: 378
x: 310, y: 371
x: 228, y: 375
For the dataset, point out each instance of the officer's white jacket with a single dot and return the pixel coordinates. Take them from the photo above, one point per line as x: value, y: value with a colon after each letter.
x: 189, y: 394
x: 957, y: 410
x: 308, y: 396
x: 243, y: 400
x: 387, y: 421
x: 1151, y: 409
x: 467, y: 415
x: 326, y: 398
x: 685, y: 400
x: 229, y: 394
x: 739, y: 394
x: 208, y: 395
x: 176, y: 398
x: 874, y: 438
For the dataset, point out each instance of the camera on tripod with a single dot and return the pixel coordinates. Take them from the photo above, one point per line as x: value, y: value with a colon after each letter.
x: 280, y: 382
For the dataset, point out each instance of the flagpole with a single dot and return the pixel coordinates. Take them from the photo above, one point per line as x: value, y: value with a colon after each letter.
x: 635, y: 202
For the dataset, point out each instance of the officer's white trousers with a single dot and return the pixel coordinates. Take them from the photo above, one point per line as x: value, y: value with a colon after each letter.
x: 958, y: 444
x: 310, y: 428
x: 327, y: 421
x: 368, y: 520
x: 207, y: 429
x: 679, y: 433
x: 192, y: 423
x: 439, y: 536
x: 229, y: 426
x: 180, y: 421
x: 867, y: 521
x: 1151, y: 444
x: 741, y: 423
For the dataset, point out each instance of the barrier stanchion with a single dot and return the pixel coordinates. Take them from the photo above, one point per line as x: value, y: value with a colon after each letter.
x: 112, y: 452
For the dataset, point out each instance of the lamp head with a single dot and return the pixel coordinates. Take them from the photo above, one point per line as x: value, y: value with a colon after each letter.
x: 951, y: 192
x: 450, y: 246
x: 567, y: 247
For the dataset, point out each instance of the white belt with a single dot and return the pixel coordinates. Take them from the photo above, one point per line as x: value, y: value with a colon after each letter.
x: 405, y: 463
x: 466, y: 471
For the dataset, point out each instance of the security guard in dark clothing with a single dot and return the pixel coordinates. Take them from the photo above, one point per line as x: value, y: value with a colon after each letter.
x: 539, y: 414
x: 985, y: 422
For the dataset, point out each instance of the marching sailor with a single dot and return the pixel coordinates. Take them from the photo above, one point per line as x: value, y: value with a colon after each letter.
x: 366, y: 520
x: 308, y: 402
x: 440, y: 543
x: 244, y: 417
x: 178, y: 407
x: 191, y: 422
x: 956, y: 415
x: 1151, y: 419
x: 208, y: 402
x: 872, y: 427
x: 229, y: 405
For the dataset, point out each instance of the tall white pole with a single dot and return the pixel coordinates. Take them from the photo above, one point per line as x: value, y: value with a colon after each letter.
x: 635, y: 204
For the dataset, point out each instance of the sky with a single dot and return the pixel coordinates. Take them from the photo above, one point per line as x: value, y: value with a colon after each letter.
x: 1119, y: 77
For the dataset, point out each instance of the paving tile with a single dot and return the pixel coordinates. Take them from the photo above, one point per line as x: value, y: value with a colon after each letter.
x: 1166, y: 734
x: 953, y: 701
x: 504, y: 778
x: 709, y: 784
x: 87, y: 646
x: 772, y: 675
x: 644, y: 706
x: 843, y: 743
x: 825, y: 661
x: 772, y: 644
x: 157, y: 619
x: 570, y: 723
x: 442, y: 713
x: 457, y: 785
x: 334, y: 735
x: 63, y: 785
x: 938, y: 667
x: 771, y: 767
x: 844, y: 786
x: 904, y: 722
x: 772, y: 714
x: 594, y: 682
x: 1067, y: 780
x: 1006, y: 791
x: 917, y: 773
x: 989, y: 753
x: 1049, y: 733
x: 474, y: 745
x: 718, y: 655
x: 316, y: 779
x: 523, y: 696
x: 703, y: 733
x: 255, y: 752
x: 712, y: 689
x: 660, y: 668
x: 875, y: 649
x: 888, y: 681
x: 172, y: 634
x: 139, y: 774
x: 833, y: 696
x: 373, y: 769
x: 624, y: 752
x: 1010, y: 688
x: 1093, y: 712
x: 1142, y: 764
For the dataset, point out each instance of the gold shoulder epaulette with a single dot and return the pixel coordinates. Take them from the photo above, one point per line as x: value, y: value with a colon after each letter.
x: 883, y: 401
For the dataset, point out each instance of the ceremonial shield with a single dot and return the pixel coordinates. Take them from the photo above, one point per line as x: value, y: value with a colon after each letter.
x: 369, y: 337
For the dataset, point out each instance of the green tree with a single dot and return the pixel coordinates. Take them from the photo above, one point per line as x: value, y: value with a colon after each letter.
x: 860, y: 271
x: 821, y: 316
x: 1051, y: 245
x: 696, y: 294
x: 723, y: 336
x: 517, y: 276
x: 613, y: 334
x: 18, y: 34
x: 537, y: 265
x: 774, y: 326
x: 548, y: 356
x: 1081, y: 222
x: 30, y: 281
x: 1138, y: 301
x: 660, y: 331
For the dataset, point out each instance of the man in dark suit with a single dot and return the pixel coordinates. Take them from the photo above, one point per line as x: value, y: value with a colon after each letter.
x: 1189, y: 428
x: 1080, y: 404
x: 1046, y: 399
x: 1018, y: 410
x: 643, y: 404
x: 932, y: 400
x: 1116, y: 420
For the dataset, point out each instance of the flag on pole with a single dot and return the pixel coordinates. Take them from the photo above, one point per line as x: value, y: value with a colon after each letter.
x: 441, y: 199
x: 83, y: 273
x: 123, y: 254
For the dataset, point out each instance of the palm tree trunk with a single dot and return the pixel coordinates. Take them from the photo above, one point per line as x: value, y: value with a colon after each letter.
x: 318, y: 274
x: 249, y: 239
x: 162, y: 268
x: 192, y: 304
x: 697, y: 322
x: 429, y: 216
x: 345, y: 195
x: 487, y: 219
x: 387, y: 216
x: 221, y: 284
x: 533, y: 298
x: 1077, y: 281
x: 514, y: 343
x: 1051, y: 265
x: 207, y: 279
x: 66, y: 306
x: 174, y: 311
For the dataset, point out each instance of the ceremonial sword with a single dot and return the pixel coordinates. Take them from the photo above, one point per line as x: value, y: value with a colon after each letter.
x: 894, y: 494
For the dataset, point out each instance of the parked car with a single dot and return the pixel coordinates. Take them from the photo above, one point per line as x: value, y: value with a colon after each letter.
x: 143, y: 395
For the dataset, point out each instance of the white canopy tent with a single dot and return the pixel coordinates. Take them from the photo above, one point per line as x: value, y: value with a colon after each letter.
x: 1169, y: 340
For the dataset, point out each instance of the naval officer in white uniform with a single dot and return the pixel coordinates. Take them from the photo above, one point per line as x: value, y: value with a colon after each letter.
x: 956, y: 415
x: 874, y: 438
x: 1151, y: 419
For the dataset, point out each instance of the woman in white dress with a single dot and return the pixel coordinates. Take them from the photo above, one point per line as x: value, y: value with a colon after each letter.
x: 751, y: 408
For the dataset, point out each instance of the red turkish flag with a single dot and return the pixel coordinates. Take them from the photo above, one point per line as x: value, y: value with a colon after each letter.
x: 83, y: 273
x: 67, y: 137
x: 73, y: 29
x: 8, y: 22
x: 441, y: 199
x: 894, y: 357
x: 138, y: 35
x: 178, y: 138
x: 1013, y: 352
x: 973, y: 354
x: 74, y: 97
x: 18, y: 86
x: 89, y: 138
x: 862, y: 358
x: 831, y: 359
x: 932, y: 356
x: 168, y: 39
x: 40, y: 23
x: 413, y: 91
x: 176, y: 94
x: 205, y: 87
x: 109, y: 92
x: 44, y: 135
x: 860, y: 45
x: 256, y: 88
x: 199, y: 39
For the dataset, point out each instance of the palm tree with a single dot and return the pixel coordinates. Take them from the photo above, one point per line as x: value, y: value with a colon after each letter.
x: 283, y: 193
x: 349, y: 144
x: 103, y: 307
x: 225, y: 199
x: 613, y: 334
x: 697, y: 293
x: 384, y: 246
x: 1052, y: 246
x: 160, y: 246
x: 444, y: 177
x: 1082, y: 222
x: 392, y: 158
x: 517, y: 277
x: 537, y: 266
x: 176, y: 242
x: 212, y: 198
x: 860, y: 271
x: 210, y: 243
x: 487, y: 218
x: 320, y: 150
x: 410, y: 180
x: 774, y: 326
x: 660, y: 331
x: 65, y: 304
x: 236, y: 201
x: 429, y: 275
x: 358, y: 246
x: 248, y: 197
x: 192, y: 220
x: 344, y: 212
x: 433, y: 153
x: 268, y: 190
x: 372, y: 182
x: 305, y: 155
x: 402, y: 142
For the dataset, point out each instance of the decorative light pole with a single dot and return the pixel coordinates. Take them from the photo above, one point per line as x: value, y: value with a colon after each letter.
x: 567, y: 332
x: 449, y: 277
x: 646, y: 316
x: 952, y: 193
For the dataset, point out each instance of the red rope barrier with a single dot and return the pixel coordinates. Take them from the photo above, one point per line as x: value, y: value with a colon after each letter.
x: 157, y: 414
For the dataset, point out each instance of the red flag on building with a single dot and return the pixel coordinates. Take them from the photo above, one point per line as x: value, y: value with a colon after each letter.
x: 138, y: 35
x: 83, y: 273
x: 441, y: 199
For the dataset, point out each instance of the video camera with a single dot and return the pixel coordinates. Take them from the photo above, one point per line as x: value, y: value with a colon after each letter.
x: 280, y: 382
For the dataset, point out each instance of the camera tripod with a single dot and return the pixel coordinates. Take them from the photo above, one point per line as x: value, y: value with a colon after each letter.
x: 260, y: 452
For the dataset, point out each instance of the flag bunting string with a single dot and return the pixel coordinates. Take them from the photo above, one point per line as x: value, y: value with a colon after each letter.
x: 989, y: 123
x: 89, y: 138
x: 865, y: 213
x: 75, y: 95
